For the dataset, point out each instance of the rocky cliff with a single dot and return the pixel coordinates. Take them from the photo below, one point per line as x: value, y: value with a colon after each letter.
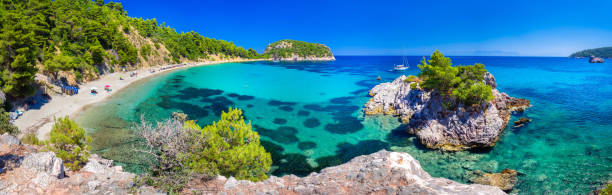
x: 292, y: 50
x: 24, y: 170
x: 437, y: 127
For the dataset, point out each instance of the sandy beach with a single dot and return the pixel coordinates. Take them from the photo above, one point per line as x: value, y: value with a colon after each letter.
x: 40, y: 121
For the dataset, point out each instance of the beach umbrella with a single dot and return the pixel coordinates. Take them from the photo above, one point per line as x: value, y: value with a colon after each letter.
x: 107, y: 86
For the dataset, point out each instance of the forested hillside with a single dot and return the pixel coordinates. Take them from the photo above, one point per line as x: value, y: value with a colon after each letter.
x: 605, y: 52
x: 84, y: 37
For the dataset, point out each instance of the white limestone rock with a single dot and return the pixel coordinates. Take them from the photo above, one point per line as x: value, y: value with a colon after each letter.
x: 45, y: 162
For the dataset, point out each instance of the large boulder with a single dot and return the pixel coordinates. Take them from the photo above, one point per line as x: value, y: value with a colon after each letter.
x: 8, y: 140
x: 380, y: 173
x: 438, y: 127
x: 45, y: 162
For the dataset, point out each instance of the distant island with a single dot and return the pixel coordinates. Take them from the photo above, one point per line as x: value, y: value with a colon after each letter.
x: 292, y: 50
x: 604, y: 52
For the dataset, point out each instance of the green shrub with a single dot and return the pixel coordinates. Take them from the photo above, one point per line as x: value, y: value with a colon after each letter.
x: 412, y: 78
x: 31, y: 139
x: 607, y: 190
x: 145, y: 51
x: 414, y: 81
x: 473, y: 94
x: 69, y: 143
x: 126, y: 29
x: 5, y: 124
x: 184, y: 150
x: 231, y: 148
x: 78, y: 75
x: 98, y: 54
x: 413, y: 85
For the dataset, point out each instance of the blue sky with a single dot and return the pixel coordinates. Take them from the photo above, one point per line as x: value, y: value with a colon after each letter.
x: 384, y: 27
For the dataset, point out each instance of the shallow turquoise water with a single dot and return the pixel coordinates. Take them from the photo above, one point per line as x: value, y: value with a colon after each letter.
x: 309, y: 116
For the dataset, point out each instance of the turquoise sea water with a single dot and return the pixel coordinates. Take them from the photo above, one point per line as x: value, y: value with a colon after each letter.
x: 309, y: 116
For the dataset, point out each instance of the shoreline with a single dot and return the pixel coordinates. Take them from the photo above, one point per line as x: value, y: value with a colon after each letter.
x: 40, y: 121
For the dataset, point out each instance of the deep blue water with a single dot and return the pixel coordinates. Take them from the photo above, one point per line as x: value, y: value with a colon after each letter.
x: 309, y: 116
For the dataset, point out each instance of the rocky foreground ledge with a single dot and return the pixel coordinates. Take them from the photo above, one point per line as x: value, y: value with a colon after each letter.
x: 24, y: 170
x: 380, y: 173
x: 439, y: 128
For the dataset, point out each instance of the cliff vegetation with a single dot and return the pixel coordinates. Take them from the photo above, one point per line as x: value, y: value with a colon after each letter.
x: 462, y: 83
x: 182, y: 151
x: 84, y: 38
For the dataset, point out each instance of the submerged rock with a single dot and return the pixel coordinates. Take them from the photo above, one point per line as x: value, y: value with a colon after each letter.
x: 382, y: 172
x: 521, y: 122
x: 504, y: 180
x: 440, y: 128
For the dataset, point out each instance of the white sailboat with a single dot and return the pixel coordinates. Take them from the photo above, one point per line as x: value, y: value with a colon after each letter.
x: 403, y: 66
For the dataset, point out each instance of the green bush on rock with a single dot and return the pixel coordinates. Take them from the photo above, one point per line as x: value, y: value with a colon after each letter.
x: 231, y: 148
x: 462, y: 83
x: 184, y: 150
x: 69, y: 142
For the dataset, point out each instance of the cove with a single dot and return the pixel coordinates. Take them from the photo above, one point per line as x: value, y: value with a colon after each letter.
x: 309, y: 117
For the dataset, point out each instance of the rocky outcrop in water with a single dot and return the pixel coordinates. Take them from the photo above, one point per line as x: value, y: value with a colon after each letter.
x: 437, y: 127
x: 380, y: 173
x: 594, y: 59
